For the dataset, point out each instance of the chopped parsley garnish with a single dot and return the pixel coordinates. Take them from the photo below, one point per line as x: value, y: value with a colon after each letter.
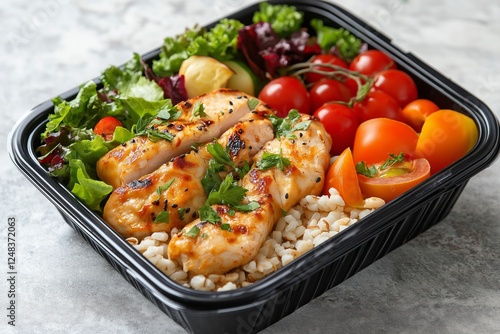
x: 199, y: 110
x: 145, y: 127
x: 247, y: 207
x: 252, y: 103
x: 208, y: 214
x: 193, y: 232
x: 226, y: 227
x: 372, y: 171
x: 284, y: 127
x: 181, y: 212
x: 270, y: 160
x: 163, y: 217
x: 164, y: 187
x: 220, y: 154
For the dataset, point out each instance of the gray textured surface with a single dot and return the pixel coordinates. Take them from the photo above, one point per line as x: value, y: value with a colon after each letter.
x: 447, y: 280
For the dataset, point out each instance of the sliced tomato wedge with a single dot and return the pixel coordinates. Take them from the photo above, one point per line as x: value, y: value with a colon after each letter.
x: 342, y: 176
x: 396, y: 180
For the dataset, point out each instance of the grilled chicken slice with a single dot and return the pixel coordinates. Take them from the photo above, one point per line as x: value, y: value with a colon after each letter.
x: 174, y: 189
x: 222, y: 109
x: 214, y: 250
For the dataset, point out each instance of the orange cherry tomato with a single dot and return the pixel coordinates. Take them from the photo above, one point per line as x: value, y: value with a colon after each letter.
x: 377, y: 138
x: 446, y: 136
x: 106, y: 127
x: 417, y: 111
x: 342, y: 176
x: 397, y: 180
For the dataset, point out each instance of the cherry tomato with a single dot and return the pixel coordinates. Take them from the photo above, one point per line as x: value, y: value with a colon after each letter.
x: 397, y: 180
x: 342, y: 176
x: 378, y: 137
x: 417, y: 111
x: 286, y: 93
x: 378, y: 104
x: 328, y: 90
x: 446, y: 136
x: 323, y: 59
x: 371, y: 62
x: 106, y: 127
x: 341, y: 123
x: 398, y: 85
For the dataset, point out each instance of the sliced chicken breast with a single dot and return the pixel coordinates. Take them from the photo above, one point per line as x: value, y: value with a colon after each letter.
x: 221, y: 109
x: 170, y: 196
x: 213, y: 250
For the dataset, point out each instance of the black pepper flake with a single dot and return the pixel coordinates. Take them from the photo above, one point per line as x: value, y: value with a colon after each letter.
x: 318, y: 180
x: 153, y: 216
x: 174, y: 205
x: 188, y: 210
x: 231, y: 103
x: 230, y: 110
x: 132, y: 141
x: 182, y: 156
x: 165, y: 204
x: 156, y: 203
x: 239, y: 97
x: 240, y: 131
x: 301, y: 134
x: 194, y: 214
x: 124, y: 144
x: 286, y: 196
x: 199, y: 127
x: 293, y: 141
x: 255, y: 112
x: 250, y: 120
x: 250, y: 148
x: 186, y: 190
x: 170, y: 125
x: 304, y: 143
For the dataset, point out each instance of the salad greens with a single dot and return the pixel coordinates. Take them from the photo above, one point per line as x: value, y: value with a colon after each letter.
x: 141, y: 96
x: 284, y: 19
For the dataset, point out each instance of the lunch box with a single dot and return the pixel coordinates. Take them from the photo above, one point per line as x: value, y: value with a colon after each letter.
x: 253, y: 308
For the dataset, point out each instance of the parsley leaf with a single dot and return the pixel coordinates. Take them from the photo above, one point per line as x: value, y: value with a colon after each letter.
x: 199, y: 110
x: 164, y: 187
x: 247, y: 207
x: 368, y: 171
x: 284, y: 127
x: 372, y: 171
x: 252, y: 103
x: 181, y: 212
x: 208, y: 214
x: 229, y: 193
x: 226, y: 227
x: 220, y: 154
x: 163, y: 217
x: 270, y: 160
x: 193, y: 232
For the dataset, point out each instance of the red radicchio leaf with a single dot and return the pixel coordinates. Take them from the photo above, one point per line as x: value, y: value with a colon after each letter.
x: 174, y: 88
x: 266, y: 52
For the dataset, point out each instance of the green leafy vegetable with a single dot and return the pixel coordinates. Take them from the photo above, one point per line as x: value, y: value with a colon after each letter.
x: 345, y: 43
x: 193, y: 232
x: 252, y: 103
x: 226, y: 227
x: 247, y: 207
x: 181, y: 212
x: 220, y: 154
x: 229, y: 193
x: 270, y: 160
x: 164, y: 187
x: 199, y: 110
x: 372, y: 171
x: 91, y: 192
x: 220, y: 43
x: 208, y: 214
x: 285, y: 127
x: 163, y: 217
x: 284, y: 19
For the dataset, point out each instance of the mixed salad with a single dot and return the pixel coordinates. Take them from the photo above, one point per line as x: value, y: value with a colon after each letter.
x: 387, y: 138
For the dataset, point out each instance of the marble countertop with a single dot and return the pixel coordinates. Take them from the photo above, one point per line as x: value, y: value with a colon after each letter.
x: 447, y: 280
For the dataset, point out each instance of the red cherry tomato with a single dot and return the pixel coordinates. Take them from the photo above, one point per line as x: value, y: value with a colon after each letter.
x: 106, y: 127
x: 398, y: 85
x: 328, y: 90
x: 377, y: 138
x: 378, y: 104
x: 397, y: 180
x: 371, y: 62
x: 341, y: 123
x: 323, y: 59
x: 286, y: 93
x: 417, y: 111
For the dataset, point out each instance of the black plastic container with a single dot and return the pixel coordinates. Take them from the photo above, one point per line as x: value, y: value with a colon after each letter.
x: 250, y: 309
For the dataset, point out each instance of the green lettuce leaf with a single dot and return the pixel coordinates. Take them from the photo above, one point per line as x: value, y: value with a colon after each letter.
x: 284, y: 19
